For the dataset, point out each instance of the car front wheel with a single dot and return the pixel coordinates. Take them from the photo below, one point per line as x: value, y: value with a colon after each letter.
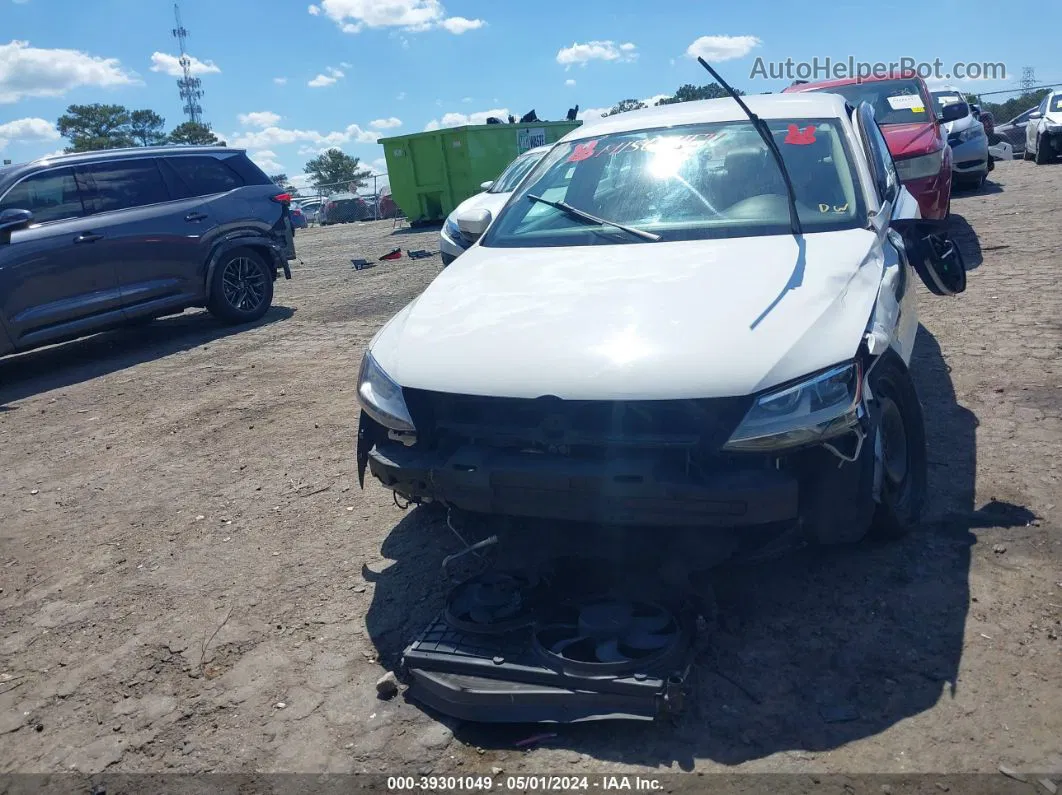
x: 901, y: 436
x: 1044, y: 152
x: 241, y: 288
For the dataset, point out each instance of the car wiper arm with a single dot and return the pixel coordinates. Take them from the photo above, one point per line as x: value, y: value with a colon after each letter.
x: 583, y: 215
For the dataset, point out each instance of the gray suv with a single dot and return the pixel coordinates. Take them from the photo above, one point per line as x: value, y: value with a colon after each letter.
x: 96, y: 240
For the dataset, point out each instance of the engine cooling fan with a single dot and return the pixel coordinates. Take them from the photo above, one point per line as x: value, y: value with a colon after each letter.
x: 493, y: 602
x: 610, y: 635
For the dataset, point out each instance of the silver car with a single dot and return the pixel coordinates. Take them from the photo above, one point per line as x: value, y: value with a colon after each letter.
x: 970, y: 162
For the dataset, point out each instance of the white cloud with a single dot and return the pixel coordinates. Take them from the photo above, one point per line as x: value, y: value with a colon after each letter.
x: 171, y: 65
x: 569, y: 82
x: 386, y: 124
x: 327, y: 78
x: 345, y: 65
x: 722, y: 48
x: 401, y: 96
x: 412, y: 15
x: 461, y: 119
x: 459, y: 25
x: 589, y: 114
x: 280, y: 81
x: 267, y: 161
x: 279, y: 136
x: 259, y: 118
x: 34, y: 72
x: 31, y: 130
x: 466, y: 100
x: 582, y: 54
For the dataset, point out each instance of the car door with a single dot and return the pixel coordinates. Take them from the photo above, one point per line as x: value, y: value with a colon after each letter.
x: 886, y: 180
x: 143, y: 226
x: 53, y: 285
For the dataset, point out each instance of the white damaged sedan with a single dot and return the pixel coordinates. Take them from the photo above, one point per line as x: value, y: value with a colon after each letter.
x: 664, y: 328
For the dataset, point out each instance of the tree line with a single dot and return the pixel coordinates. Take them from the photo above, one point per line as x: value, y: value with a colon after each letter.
x: 98, y: 126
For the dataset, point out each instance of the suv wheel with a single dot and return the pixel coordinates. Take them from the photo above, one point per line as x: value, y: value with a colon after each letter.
x: 241, y: 288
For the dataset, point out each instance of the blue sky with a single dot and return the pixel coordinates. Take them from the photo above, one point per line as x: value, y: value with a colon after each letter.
x: 286, y: 79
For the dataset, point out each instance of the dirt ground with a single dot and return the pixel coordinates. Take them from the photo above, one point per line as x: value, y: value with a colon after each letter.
x: 192, y: 579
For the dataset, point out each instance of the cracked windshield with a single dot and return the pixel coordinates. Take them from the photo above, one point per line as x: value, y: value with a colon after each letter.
x: 456, y: 395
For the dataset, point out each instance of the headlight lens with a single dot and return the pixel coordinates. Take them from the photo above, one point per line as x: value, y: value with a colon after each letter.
x: 381, y: 397
x: 821, y: 407
x: 921, y: 166
x: 976, y: 131
x: 453, y: 232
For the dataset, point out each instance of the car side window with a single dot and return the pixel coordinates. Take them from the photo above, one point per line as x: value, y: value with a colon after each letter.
x: 882, y: 165
x: 122, y: 184
x: 50, y: 196
x: 205, y: 175
x: 1043, y: 106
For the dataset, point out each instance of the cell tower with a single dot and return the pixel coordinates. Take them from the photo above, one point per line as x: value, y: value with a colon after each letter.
x: 190, y: 87
x: 1028, y: 78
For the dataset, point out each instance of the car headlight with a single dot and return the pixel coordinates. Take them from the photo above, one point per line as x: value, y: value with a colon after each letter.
x: 381, y: 398
x: 1052, y: 127
x: 453, y: 232
x: 918, y: 167
x: 823, y: 406
x: 970, y: 133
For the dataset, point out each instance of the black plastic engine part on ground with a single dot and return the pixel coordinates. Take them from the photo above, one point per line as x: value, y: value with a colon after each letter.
x: 509, y: 649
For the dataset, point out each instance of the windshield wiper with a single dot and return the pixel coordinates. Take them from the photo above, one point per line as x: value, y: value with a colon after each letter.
x: 583, y: 215
x: 765, y: 133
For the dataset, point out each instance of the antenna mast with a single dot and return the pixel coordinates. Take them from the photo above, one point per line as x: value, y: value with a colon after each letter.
x: 188, y: 86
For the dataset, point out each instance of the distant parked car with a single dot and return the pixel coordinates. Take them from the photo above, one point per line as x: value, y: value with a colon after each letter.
x: 913, y: 129
x: 1014, y: 130
x: 452, y: 241
x: 342, y: 208
x: 95, y: 240
x: 309, y: 208
x: 970, y: 162
x: 298, y: 218
x: 1043, y: 134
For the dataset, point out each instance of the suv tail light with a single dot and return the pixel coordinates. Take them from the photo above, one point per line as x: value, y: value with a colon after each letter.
x: 282, y: 198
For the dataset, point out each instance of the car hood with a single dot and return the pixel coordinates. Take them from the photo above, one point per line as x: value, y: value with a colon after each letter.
x: 692, y: 319
x: 1054, y: 117
x: 483, y: 201
x: 908, y: 140
x: 959, y: 125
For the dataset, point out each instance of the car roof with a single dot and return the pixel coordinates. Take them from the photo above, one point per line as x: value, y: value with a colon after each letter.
x: 19, y: 170
x: 822, y: 85
x: 766, y: 106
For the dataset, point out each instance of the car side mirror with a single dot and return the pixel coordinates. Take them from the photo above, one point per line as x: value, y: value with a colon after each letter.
x: 1035, y: 115
x: 473, y: 223
x: 933, y: 254
x: 13, y: 220
x: 954, y: 111
x: 486, y: 185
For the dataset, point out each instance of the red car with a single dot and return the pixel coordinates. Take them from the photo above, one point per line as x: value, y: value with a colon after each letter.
x: 906, y: 112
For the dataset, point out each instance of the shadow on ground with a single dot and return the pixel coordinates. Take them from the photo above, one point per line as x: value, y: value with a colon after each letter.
x: 812, y: 651
x: 26, y: 374
x: 967, y: 240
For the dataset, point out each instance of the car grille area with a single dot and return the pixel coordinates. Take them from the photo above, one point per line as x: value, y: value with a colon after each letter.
x: 578, y: 428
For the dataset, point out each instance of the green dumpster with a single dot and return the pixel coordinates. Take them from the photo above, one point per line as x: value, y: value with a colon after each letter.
x: 432, y: 172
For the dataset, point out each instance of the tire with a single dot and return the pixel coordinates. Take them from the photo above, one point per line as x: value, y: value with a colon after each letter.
x: 900, y: 425
x: 1043, y: 153
x: 241, y: 287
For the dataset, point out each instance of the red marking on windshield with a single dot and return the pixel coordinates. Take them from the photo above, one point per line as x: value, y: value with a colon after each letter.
x: 582, y: 152
x: 799, y: 137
